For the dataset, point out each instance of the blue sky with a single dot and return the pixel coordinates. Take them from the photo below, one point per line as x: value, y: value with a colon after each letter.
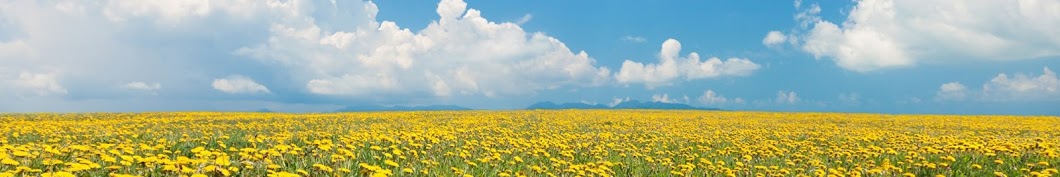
x: 888, y: 56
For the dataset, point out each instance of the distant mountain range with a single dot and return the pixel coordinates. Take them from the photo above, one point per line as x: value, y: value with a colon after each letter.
x: 361, y: 108
x: 633, y: 104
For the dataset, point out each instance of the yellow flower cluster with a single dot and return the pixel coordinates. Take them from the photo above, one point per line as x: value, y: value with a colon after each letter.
x: 527, y: 143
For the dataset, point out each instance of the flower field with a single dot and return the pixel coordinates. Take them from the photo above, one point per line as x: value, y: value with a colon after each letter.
x: 527, y: 143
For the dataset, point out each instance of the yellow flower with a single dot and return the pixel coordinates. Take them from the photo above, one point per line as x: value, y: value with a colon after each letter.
x: 390, y: 163
x: 11, y: 162
x: 284, y: 174
x: 949, y: 158
x: 323, y: 167
x: 57, y: 174
x: 222, y: 161
x: 122, y: 175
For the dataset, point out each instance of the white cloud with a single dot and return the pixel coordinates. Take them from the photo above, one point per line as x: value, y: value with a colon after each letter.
x: 615, y: 101
x: 14, y: 49
x: 774, y: 38
x: 462, y: 54
x: 665, y: 98
x: 711, y: 98
x: 353, y: 84
x: 118, y: 41
x: 38, y: 84
x: 952, y: 91
x: 1005, y: 88
x: 451, y: 9
x: 238, y: 84
x: 332, y: 48
x: 635, y: 39
x: 671, y: 67
x: 855, y: 50
x: 738, y: 100
x: 807, y: 16
x: 786, y: 97
x: 881, y: 34
x: 660, y: 98
x: 1023, y: 87
x: 167, y: 11
x: 142, y: 86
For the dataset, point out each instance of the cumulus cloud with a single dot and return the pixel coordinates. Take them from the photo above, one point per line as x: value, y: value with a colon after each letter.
x: 1006, y: 88
x: 661, y: 98
x: 328, y: 48
x: 774, y: 38
x: 142, y: 86
x: 462, y: 53
x: 1023, y: 87
x: 119, y: 41
x: 450, y: 9
x: 238, y: 84
x: 35, y: 84
x: 665, y: 98
x: 952, y: 91
x: 710, y: 97
x: 672, y: 66
x: 881, y: 34
x: 14, y: 49
x: 615, y: 101
x: 786, y: 97
x: 334, y: 49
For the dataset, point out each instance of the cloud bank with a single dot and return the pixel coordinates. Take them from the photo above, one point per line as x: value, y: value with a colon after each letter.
x: 1005, y: 88
x: 299, y: 51
x: 882, y: 34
